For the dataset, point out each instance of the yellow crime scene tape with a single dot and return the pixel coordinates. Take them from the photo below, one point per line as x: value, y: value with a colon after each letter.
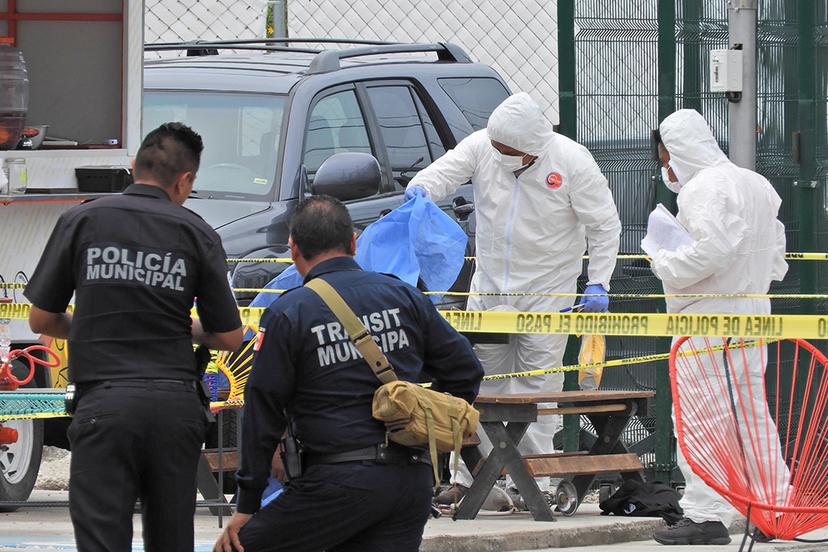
x: 615, y: 363
x: 804, y: 326
x: 562, y: 294
x: 33, y: 415
x: 610, y: 295
x: 238, y: 402
x: 791, y: 256
x: 12, y: 285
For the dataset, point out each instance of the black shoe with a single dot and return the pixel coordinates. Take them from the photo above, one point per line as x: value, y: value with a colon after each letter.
x: 687, y: 531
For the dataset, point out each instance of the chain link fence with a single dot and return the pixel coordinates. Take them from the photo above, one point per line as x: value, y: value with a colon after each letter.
x: 517, y: 38
x: 184, y: 20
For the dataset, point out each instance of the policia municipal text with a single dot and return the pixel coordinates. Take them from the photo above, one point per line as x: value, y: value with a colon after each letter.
x: 135, y: 263
x: 354, y: 493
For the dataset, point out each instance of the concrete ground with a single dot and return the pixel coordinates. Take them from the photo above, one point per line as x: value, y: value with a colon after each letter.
x: 49, y: 530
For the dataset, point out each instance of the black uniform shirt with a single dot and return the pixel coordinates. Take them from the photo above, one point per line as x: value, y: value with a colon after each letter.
x: 307, y: 365
x: 135, y: 262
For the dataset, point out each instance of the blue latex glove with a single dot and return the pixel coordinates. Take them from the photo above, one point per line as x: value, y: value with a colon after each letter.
x: 412, y: 191
x: 596, y: 304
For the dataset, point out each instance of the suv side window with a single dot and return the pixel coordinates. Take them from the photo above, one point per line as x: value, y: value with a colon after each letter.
x: 410, y: 138
x: 336, y: 125
x: 435, y: 144
x: 476, y: 97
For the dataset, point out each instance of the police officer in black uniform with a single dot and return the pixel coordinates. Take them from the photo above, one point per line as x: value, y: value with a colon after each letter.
x: 135, y: 263
x: 307, y: 372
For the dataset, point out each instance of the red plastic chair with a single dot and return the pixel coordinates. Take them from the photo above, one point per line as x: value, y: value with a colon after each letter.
x: 760, y: 442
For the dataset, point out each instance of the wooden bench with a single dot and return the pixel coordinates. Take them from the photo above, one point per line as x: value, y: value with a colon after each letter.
x: 505, y: 419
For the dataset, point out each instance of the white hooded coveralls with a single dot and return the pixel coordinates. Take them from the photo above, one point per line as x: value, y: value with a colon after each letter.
x: 738, y: 247
x: 532, y: 231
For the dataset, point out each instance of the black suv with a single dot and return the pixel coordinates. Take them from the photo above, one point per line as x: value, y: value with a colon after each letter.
x: 271, y: 112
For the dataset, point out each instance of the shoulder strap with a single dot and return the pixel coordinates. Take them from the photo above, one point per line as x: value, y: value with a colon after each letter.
x: 359, y: 335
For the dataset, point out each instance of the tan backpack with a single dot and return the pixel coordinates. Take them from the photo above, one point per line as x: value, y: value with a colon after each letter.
x: 413, y: 415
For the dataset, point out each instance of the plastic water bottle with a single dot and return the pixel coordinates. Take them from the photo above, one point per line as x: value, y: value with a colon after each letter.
x: 14, y: 94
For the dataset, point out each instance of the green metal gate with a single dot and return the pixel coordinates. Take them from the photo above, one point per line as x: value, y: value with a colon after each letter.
x: 624, y: 66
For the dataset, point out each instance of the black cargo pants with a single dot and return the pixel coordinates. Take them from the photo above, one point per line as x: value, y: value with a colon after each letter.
x: 135, y: 439
x: 347, y: 507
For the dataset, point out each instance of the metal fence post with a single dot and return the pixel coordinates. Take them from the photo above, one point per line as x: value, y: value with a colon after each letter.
x: 691, y: 77
x: 741, y: 16
x: 807, y: 184
x: 665, y: 443
x: 568, y: 127
x: 566, y: 68
x: 276, y: 20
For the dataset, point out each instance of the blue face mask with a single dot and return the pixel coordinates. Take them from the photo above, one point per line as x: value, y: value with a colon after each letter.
x: 511, y: 163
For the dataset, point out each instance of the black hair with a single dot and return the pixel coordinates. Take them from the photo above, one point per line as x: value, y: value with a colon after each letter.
x: 320, y: 224
x: 168, y: 151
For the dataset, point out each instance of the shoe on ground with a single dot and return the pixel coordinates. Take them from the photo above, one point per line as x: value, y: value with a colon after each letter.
x: 687, y: 531
x: 498, y: 500
x: 520, y: 504
x: 451, y: 495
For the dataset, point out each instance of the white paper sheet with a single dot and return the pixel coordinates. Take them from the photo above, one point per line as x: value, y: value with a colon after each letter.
x: 664, y: 232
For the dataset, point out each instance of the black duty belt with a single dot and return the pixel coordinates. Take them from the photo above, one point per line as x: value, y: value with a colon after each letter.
x: 135, y: 382
x: 379, y: 454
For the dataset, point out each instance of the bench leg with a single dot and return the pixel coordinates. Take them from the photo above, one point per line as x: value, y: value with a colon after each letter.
x: 505, y: 441
x: 472, y: 458
x: 209, y: 489
x: 609, y: 429
x: 504, y: 455
x: 484, y: 480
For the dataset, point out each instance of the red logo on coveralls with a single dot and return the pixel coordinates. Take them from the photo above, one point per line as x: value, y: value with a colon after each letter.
x: 554, y: 180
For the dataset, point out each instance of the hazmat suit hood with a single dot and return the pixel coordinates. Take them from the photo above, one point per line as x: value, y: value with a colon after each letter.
x: 690, y: 143
x: 519, y: 123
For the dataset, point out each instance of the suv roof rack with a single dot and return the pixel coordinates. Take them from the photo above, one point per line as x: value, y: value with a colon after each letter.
x: 325, y: 61
x: 328, y: 60
x: 211, y: 47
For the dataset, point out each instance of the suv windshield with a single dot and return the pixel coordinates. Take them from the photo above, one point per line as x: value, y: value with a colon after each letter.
x: 240, y: 133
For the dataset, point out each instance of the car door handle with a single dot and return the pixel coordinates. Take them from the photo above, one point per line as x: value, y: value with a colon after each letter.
x: 384, y: 212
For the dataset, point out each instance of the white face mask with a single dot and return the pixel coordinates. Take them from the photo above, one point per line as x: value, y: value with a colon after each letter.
x: 671, y: 185
x: 511, y: 163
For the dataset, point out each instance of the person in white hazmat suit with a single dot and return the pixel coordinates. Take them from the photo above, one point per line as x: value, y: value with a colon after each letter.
x: 738, y: 248
x: 540, y: 198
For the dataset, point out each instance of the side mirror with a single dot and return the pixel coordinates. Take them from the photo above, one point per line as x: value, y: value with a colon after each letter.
x: 348, y: 175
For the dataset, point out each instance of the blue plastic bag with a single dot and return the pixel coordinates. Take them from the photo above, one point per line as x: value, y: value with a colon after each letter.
x: 414, y: 241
